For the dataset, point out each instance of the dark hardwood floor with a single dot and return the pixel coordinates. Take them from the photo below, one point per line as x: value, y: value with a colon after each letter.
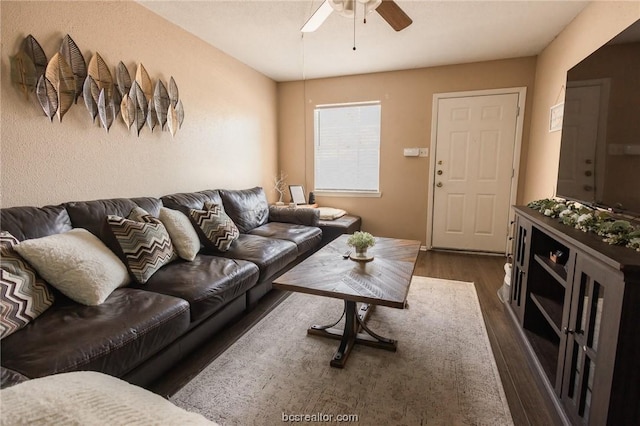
x: 528, y: 402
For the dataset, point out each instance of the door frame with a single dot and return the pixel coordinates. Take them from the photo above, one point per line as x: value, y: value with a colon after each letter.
x: 522, y: 94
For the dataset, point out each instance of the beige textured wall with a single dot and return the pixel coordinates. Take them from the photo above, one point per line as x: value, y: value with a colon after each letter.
x: 406, y: 98
x: 229, y: 137
x: 597, y: 24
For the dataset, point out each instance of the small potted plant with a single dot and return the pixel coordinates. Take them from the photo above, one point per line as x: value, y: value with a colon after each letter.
x: 361, y: 241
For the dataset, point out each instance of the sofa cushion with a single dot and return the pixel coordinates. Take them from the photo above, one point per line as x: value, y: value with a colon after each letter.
x: 305, y: 237
x: 113, y: 338
x: 144, y: 241
x: 269, y: 254
x: 92, y: 215
x: 184, y: 237
x: 191, y: 200
x: 248, y: 208
x: 208, y: 283
x: 24, y: 295
x: 77, y: 263
x: 298, y: 216
x: 332, y: 229
x: 217, y: 229
x: 34, y: 222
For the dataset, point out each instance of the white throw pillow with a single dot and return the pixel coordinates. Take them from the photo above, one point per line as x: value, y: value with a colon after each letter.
x: 77, y: 263
x: 330, y: 213
x: 90, y: 398
x: 184, y: 237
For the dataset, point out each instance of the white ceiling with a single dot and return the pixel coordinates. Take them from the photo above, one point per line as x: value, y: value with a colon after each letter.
x: 266, y: 34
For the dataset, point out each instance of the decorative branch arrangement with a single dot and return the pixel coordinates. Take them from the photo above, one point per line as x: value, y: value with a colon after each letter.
x: 60, y: 81
x: 280, y: 184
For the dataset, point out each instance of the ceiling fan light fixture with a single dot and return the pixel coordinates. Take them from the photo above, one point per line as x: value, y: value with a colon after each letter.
x: 370, y: 5
x: 343, y: 7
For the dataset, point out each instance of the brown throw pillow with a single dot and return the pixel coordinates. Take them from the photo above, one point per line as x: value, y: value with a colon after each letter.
x: 23, y: 294
x: 144, y: 241
x: 218, y: 229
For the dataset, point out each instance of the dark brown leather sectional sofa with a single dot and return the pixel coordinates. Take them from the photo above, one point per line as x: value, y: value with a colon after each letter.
x: 140, y: 331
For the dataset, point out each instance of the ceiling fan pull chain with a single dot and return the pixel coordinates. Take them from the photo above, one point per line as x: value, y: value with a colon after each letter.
x: 354, y: 25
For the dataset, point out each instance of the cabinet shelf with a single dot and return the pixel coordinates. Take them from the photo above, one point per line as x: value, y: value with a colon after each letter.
x: 557, y: 271
x: 547, y: 352
x: 551, y: 310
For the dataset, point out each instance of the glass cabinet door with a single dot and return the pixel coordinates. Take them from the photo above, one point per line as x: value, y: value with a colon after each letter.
x: 591, y: 292
x: 520, y: 265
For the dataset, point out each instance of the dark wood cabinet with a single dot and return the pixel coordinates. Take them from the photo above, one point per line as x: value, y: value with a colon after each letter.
x: 577, y: 301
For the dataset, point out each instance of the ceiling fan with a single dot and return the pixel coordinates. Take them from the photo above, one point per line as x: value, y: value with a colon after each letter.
x: 388, y: 9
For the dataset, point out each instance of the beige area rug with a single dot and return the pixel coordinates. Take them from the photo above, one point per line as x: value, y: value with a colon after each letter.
x: 443, y: 373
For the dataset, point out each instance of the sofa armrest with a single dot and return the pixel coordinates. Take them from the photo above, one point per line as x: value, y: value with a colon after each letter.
x: 309, y: 217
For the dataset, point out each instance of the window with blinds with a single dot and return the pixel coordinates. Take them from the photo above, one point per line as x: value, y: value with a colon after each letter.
x: 347, y: 147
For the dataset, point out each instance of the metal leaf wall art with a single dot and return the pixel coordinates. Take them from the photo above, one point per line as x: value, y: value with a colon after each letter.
x: 27, y: 65
x: 61, y: 77
x: 60, y: 81
x: 34, y: 51
x: 152, y: 118
x: 99, y: 71
x: 141, y: 106
x: 23, y: 73
x: 128, y: 110
x: 143, y: 80
x: 47, y: 96
x: 161, y: 102
x: 90, y: 93
x: 106, y: 110
x: 123, y: 78
x: 174, y: 95
x: 70, y: 51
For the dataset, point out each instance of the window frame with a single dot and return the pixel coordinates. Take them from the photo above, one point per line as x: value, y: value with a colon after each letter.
x: 345, y: 192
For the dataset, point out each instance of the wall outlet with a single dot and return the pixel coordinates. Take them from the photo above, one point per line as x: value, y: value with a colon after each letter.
x: 424, y: 152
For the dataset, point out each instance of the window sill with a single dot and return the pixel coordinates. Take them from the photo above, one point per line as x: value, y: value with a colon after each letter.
x: 363, y: 194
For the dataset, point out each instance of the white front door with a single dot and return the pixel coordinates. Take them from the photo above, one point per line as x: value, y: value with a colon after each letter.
x: 475, y: 140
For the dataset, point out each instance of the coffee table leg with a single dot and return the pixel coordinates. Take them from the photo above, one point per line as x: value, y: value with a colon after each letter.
x: 350, y: 335
x: 326, y: 327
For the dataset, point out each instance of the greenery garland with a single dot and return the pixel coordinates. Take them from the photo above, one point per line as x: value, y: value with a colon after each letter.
x: 614, y: 231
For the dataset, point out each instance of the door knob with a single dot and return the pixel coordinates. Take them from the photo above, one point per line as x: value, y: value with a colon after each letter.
x: 439, y: 184
x: 439, y: 172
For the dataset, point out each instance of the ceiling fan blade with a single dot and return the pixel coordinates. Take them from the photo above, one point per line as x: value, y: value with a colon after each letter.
x: 394, y: 16
x: 318, y: 17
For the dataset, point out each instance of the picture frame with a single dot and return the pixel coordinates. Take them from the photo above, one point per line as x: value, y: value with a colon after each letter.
x: 297, y: 194
x: 556, y: 114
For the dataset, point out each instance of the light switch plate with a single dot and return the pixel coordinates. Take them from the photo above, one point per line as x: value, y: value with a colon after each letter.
x: 411, y: 152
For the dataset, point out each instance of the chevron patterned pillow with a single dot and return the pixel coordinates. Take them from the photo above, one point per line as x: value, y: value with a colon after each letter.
x: 218, y: 228
x: 144, y: 241
x: 24, y: 294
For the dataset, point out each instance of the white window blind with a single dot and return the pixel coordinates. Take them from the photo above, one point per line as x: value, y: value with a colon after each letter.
x: 347, y: 147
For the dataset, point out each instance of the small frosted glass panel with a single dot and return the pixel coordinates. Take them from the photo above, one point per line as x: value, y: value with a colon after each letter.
x: 596, y: 316
x: 590, y: 310
x: 347, y: 148
x: 581, y: 385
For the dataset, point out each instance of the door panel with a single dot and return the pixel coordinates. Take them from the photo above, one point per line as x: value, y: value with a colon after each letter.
x: 475, y: 140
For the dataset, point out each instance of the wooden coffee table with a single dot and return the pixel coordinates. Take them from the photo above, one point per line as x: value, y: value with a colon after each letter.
x: 383, y: 281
